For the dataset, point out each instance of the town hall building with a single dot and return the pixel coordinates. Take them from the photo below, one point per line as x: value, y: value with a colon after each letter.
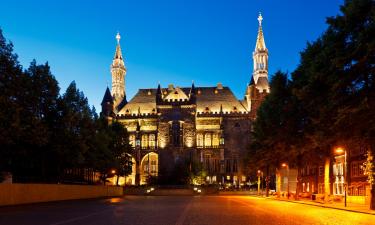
x: 199, y: 128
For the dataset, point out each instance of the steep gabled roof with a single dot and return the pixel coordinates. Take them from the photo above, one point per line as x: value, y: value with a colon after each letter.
x: 208, y: 99
x: 144, y: 101
x: 107, y: 97
x: 212, y: 99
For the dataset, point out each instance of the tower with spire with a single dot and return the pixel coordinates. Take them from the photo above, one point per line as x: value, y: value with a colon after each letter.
x: 258, y: 87
x: 118, y: 71
x: 260, y: 60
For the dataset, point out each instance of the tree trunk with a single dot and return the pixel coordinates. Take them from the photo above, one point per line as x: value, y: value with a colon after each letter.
x: 117, y: 178
x: 267, y: 181
x: 372, y: 197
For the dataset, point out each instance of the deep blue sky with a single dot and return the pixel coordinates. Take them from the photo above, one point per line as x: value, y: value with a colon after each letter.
x: 162, y: 40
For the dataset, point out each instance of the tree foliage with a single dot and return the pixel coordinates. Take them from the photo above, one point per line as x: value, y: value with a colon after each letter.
x: 330, y: 99
x: 43, y: 133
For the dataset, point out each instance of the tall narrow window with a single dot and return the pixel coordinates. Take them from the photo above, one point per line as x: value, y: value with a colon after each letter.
x: 215, y: 140
x: 199, y: 140
x: 207, y: 140
x: 144, y: 141
x: 176, y: 133
x: 151, y: 141
x: 235, y: 166
x: 227, y: 169
x: 132, y: 140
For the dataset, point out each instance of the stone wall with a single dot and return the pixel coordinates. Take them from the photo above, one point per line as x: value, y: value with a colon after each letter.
x: 15, y: 194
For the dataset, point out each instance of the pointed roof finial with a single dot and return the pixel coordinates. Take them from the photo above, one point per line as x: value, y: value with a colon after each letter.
x: 118, y: 37
x: 260, y: 44
x: 260, y: 18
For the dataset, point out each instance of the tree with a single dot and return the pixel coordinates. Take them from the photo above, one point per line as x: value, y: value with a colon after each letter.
x: 336, y: 74
x: 11, y: 85
x: 121, y: 149
x: 278, y: 128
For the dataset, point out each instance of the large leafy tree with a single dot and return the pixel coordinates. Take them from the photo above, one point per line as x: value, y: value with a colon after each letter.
x: 121, y: 149
x: 42, y: 134
x: 278, y: 129
x: 333, y: 87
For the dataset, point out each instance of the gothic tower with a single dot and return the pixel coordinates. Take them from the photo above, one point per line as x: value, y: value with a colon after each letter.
x: 260, y: 55
x: 118, y: 71
x: 258, y: 87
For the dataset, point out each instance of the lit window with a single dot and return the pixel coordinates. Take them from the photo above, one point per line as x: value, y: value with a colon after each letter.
x: 215, y: 140
x: 152, y: 141
x: 144, y: 141
x: 207, y: 140
x: 200, y: 140
x: 132, y: 140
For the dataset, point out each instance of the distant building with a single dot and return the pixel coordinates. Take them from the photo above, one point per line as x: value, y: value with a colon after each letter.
x: 312, y: 176
x: 205, y: 127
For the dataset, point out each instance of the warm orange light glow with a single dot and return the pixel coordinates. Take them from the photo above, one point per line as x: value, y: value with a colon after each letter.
x: 284, y: 165
x: 339, y: 150
x: 113, y: 171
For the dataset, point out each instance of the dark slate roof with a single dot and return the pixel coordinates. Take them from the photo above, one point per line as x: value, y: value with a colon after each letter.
x: 107, y: 97
x: 207, y: 98
x: 214, y: 98
x: 145, y: 100
x: 252, y: 82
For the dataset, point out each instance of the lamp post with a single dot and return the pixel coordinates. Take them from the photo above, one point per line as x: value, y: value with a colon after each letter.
x: 340, y: 150
x: 285, y: 165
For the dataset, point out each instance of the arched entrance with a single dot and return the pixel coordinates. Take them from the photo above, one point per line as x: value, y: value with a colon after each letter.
x: 149, y: 167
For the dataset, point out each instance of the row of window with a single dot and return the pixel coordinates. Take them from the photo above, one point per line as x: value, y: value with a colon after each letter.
x: 147, y: 141
x: 338, y: 169
x: 203, y: 140
x: 213, y: 165
x: 357, y: 190
x: 209, y: 140
x: 357, y: 169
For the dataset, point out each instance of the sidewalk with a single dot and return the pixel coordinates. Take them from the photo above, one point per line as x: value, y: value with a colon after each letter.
x: 351, y: 207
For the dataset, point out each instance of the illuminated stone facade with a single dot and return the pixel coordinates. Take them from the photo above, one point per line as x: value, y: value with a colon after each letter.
x: 205, y: 127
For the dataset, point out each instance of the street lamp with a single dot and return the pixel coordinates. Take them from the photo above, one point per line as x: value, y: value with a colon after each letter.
x: 285, y: 165
x: 340, y: 151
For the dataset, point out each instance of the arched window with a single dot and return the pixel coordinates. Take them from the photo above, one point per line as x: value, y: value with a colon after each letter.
x: 221, y: 141
x: 199, y: 140
x: 151, y: 141
x: 215, y: 140
x: 207, y: 140
x: 132, y: 140
x: 144, y: 141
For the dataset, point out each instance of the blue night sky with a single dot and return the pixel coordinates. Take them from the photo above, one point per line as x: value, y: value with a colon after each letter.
x: 162, y: 40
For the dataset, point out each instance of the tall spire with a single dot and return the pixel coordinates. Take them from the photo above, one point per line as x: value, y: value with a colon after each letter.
x: 118, y: 71
x: 260, y: 59
x: 260, y: 45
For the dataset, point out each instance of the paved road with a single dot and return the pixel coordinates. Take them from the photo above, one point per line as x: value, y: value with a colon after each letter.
x: 189, y: 210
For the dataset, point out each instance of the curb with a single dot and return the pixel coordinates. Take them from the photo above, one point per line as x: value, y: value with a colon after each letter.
x: 323, y: 206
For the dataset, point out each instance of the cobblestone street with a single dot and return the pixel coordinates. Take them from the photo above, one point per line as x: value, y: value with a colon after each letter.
x: 165, y: 210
